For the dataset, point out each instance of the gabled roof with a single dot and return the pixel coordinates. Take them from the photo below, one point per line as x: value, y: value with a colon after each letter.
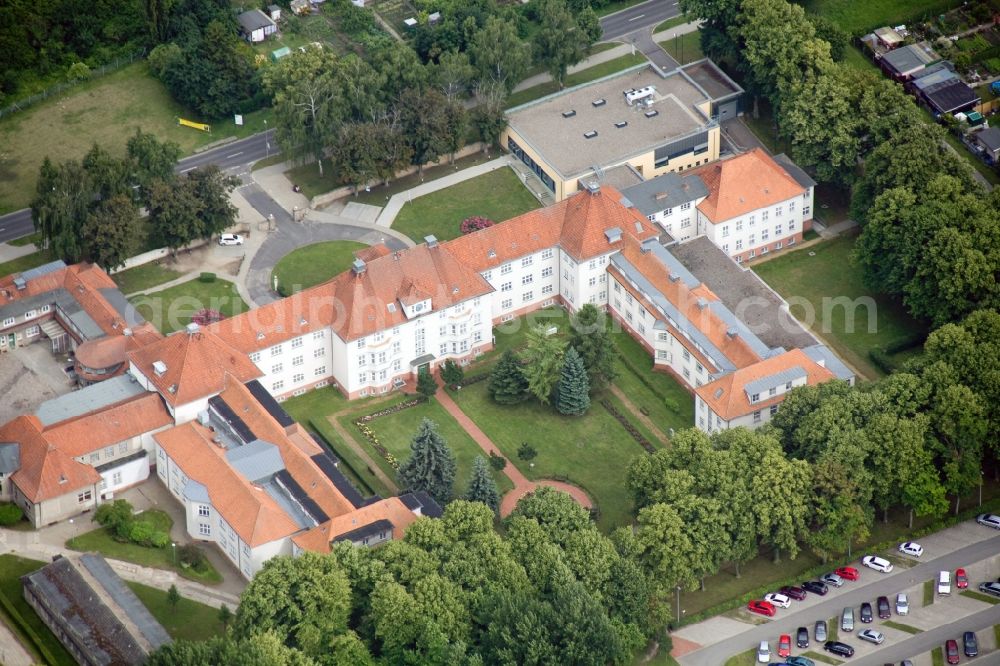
x: 743, y: 184
x: 989, y: 138
x: 667, y: 191
x: 197, y: 364
x: 391, y: 509
x: 907, y: 59
x: 728, y: 395
x: 254, y: 19
x: 92, y: 432
x: 46, y: 472
x: 950, y: 95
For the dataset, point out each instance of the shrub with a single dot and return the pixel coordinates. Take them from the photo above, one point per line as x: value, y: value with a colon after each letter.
x: 140, y: 532
x: 497, y: 461
x: 452, y: 373
x: 78, y: 71
x: 206, y: 277
x: 526, y: 451
x: 206, y: 316
x: 475, y: 223
x: 159, y: 539
x: 190, y: 555
x: 881, y: 360
x: 116, y: 517
x: 671, y: 404
x: 10, y: 514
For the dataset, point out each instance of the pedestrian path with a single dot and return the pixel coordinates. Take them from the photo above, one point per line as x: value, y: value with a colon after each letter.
x: 10, y: 252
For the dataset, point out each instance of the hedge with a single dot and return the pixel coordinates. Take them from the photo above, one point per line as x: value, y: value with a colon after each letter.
x: 206, y: 277
x: 10, y: 514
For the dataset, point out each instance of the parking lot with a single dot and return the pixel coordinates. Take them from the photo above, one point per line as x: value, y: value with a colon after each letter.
x: 28, y: 377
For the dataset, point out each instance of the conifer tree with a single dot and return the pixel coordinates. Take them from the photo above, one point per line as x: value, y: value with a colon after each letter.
x: 507, y: 383
x: 482, y: 487
x: 431, y: 465
x: 426, y: 386
x: 574, y: 386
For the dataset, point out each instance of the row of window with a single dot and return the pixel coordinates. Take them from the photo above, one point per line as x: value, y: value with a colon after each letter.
x: 28, y: 316
x: 109, y: 452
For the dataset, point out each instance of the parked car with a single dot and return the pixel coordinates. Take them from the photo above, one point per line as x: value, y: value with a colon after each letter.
x: 944, y: 582
x: 911, y: 548
x: 970, y: 644
x: 230, y: 239
x: 784, y: 645
x: 871, y: 636
x: 951, y: 651
x: 877, y: 563
x: 961, y: 579
x: 761, y: 607
x: 866, y: 613
x: 882, y: 605
x: 990, y: 588
x: 802, y: 637
x: 848, y: 573
x: 832, y: 579
x: 902, y: 604
x: 800, y: 661
x: 793, y: 592
x: 815, y: 587
x: 819, y: 631
x: 847, y: 619
x: 989, y: 520
x: 778, y: 599
x: 839, y: 649
x: 764, y: 653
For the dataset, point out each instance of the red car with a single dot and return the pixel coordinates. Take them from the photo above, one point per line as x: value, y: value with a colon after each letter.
x: 961, y: 579
x: 784, y: 645
x: 951, y: 651
x: 848, y: 573
x: 761, y: 607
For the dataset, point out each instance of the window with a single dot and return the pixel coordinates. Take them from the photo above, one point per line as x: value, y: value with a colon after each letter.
x: 592, y: 281
x: 527, y: 279
x: 777, y: 246
x: 772, y: 391
x: 420, y: 346
x: 725, y: 230
x: 764, y: 235
x: 739, y: 259
x: 774, y: 410
x: 255, y: 356
x: 505, y: 269
x: 547, y: 289
x: 642, y: 329
x: 686, y: 206
x: 277, y: 386
x: 739, y: 225
x: 319, y: 352
x: 32, y: 331
x: 547, y: 254
x: 755, y: 397
x: 805, y: 211
x: 506, y: 304
x: 791, y: 225
x: 46, y: 308
x: 753, y: 220
x: 275, y: 350
x: 547, y: 272
x: 9, y: 321
x: 686, y: 223
x: 699, y: 367
x: 527, y: 296
x: 791, y: 207
x: 603, y: 278
x: 661, y: 354
x: 527, y: 261
x: 753, y: 253
x: 318, y: 335
x: 506, y: 286
x: 618, y: 304
x: 443, y: 349
x: 668, y: 212
x: 299, y: 378
x: 378, y: 337
x: 298, y: 360
x: 30, y: 314
x: 687, y: 374
x: 687, y: 355
x: 396, y: 365
x: 763, y: 216
x: 476, y: 337
x: 296, y: 343
x: 85, y: 496
x: 725, y: 248
x: 361, y: 343
x: 203, y: 510
x: 116, y: 478
x: 777, y: 211
x: 276, y: 368
x: 618, y: 287
x: 204, y: 529
x: 777, y: 230
x: 123, y: 448
x: 94, y: 457
x: 739, y: 244
x: 752, y: 240
x: 362, y: 360
x: 109, y: 452
x: 662, y: 336
x: 756, y: 416
x: 362, y: 377
x: 320, y: 371
x: 628, y: 298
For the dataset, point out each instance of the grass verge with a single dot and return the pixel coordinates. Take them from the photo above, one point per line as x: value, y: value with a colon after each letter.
x: 498, y: 195
x: 747, y: 658
x: 101, y: 541
x: 910, y: 629
x: 928, y: 592
x: 979, y: 596
x: 35, y: 238
x: 672, y: 23
x: 819, y: 656
x: 583, y: 76
x: 684, y: 48
x: 313, y: 264
x: 142, y: 278
x: 937, y: 657
x: 22, y: 619
x: 171, y: 309
x: 24, y: 263
x: 189, y: 621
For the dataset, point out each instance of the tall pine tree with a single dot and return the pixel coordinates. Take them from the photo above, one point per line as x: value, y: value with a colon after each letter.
x: 482, y: 487
x: 507, y: 383
x: 574, y: 386
x: 588, y: 333
x: 431, y: 465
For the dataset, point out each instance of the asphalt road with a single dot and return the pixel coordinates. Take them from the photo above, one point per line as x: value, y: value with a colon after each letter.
x: 928, y: 640
x: 636, y: 18
x: 853, y: 594
x: 233, y: 155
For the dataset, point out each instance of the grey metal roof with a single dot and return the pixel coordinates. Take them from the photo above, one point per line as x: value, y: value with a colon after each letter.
x: 777, y: 379
x: 907, y: 58
x: 89, y: 399
x: 134, y: 609
x: 674, y: 266
x: 825, y: 357
x: 84, y: 323
x: 121, y: 305
x: 196, y: 492
x: 44, y: 269
x: 288, y: 504
x: 794, y: 170
x: 928, y: 79
x: 10, y: 457
x: 951, y: 95
x: 666, y: 191
x: 989, y: 137
x: 256, y: 460
x: 118, y: 462
x: 254, y: 19
x: 734, y: 325
x: 368, y: 530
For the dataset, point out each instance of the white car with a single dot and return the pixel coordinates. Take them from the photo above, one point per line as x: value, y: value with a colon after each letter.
x: 871, y: 636
x: 877, y: 563
x: 911, y: 548
x: 778, y: 599
x: 902, y: 604
x: 230, y: 239
x: 989, y: 519
x: 764, y: 653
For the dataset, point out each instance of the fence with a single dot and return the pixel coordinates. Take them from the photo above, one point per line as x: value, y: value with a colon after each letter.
x: 116, y: 64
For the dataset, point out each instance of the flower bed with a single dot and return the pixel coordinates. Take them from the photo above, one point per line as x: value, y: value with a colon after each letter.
x: 631, y: 429
x: 369, y: 434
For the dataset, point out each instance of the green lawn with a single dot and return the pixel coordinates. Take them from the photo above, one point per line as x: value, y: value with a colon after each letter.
x: 856, y: 17
x: 497, y: 195
x: 928, y: 592
x: 12, y: 568
x: 672, y: 23
x: 24, y: 263
x: 35, y: 238
x: 171, y: 309
x: 910, y: 629
x: 858, y: 60
x: 684, y: 48
x: 575, y: 79
x: 144, y: 277
x: 937, y: 656
x: 189, y: 621
x: 748, y: 658
x: 830, y: 275
x: 979, y: 596
x: 107, y: 111
x: 396, y: 431
x: 100, y: 541
x: 821, y: 657
x: 313, y: 264
x: 679, y: 414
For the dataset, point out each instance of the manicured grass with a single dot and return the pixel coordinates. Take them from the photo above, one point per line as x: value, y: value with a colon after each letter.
x: 910, y: 629
x: 661, y: 658
x: 996, y: 633
x: 979, y: 596
x: 26, y: 262
x: 171, y: 309
x: 144, y: 277
x: 101, y: 541
x: 107, y: 111
x: 820, y: 656
x: 189, y: 621
x: 832, y: 627
x: 833, y: 203
x: 396, y: 431
x: 617, y: 6
x: 819, y: 275
x: 575, y: 79
x: 858, y: 60
x: 855, y: 17
x: 12, y: 568
x: 636, y: 375
x: 748, y: 658
x: 684, y: 48
x: 313, y: 264
x: 928, y: 592
x: 497, y: 195
x: 35, y: 238
x: 937, y: 656
x: 672, y: 23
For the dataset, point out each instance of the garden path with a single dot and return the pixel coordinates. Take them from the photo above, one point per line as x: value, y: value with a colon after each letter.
x: 654, y: 430
x: 522, y: 486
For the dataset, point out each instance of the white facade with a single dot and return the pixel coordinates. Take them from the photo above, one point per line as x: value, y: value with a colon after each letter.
x: 758, y: 232
x: 680, y: 221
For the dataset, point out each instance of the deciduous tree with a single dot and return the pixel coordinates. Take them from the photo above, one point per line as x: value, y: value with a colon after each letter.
x: 543, y: 361
x: 560, y: 42
x: 498, y: 54
x: 111, y: 232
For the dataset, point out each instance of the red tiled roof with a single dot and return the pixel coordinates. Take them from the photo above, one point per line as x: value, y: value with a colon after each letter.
x: 727, y: 398
x: 743, y: 184
x: 115, y: 424
x: 46, y: 472
x: 392, y: 509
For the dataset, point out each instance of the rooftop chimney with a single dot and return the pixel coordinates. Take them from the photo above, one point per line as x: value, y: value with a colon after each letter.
x: 358, y: 266
x: 592, y: 186
x: 431, y: 241
x: 191, y: 328
x: 160, y: 368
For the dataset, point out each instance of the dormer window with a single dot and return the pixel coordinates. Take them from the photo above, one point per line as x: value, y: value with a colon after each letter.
x: 772, y: 391
x: 755, y: 397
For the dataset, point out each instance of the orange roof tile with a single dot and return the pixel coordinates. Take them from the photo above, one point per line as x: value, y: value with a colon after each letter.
x: 727, y: 398
x: 197, y: 365
x: 115, y: 424
x: 743, y: 184
x: 46, y: 472
x: 392, y: 509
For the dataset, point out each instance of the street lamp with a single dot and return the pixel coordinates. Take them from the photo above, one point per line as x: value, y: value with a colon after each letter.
x: 267, y: 144
x: 980, y: 487
x: 173, y: 550
x: 678, y: 588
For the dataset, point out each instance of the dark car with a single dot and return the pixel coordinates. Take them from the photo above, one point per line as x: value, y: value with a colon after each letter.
x: 815, y: 587
x: 842, y: 649
x: 951, y: 651
x: 802, y: 637
x: 882, y: 603
x: 866, y: 612
x: 819, y: 631
x: 793, y: 592
x: 970, y: 643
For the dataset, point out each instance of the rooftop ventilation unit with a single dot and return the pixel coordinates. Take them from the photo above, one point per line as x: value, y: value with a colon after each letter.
x: 159, y: 368
x: 191, y: 328
x: 599, y: 102
x: 621, y: 123
x: 358, y: 266
x: 639, y: 94
x: 569, y: 114
x: 431, y: 241
x: 651, y: 113
x: 590, y: 135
